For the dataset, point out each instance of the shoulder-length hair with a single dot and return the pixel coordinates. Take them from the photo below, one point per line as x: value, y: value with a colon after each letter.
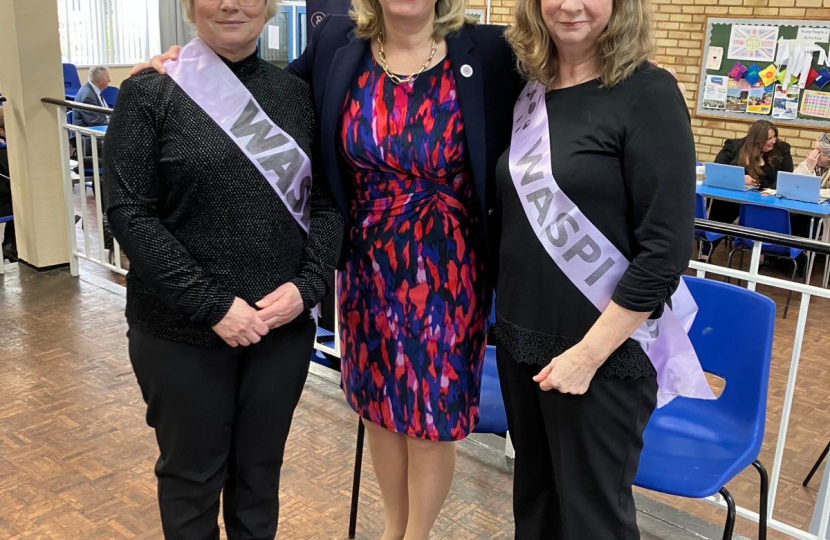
x: 450, y: 17
x: 625, y: 44
x: 751, y: 153
x: 271, y: 8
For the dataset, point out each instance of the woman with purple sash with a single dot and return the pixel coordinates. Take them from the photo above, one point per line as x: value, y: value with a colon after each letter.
x: 209, y: 191
x: 595, y: 200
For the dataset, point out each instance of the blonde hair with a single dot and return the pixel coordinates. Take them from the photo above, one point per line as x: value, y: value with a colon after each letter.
x: 271, y: 8
x: 626, y: 42
x: 450, y: 16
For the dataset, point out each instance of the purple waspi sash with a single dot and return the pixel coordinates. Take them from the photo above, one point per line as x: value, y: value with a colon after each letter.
x: 590, y: 261
x: 213, y: 86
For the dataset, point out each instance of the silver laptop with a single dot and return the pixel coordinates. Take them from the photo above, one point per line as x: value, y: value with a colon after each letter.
x: 725, y: 176
x: 799, y: 187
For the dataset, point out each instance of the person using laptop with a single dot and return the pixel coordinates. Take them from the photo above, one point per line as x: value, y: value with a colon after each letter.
x: 817, y: 162
x: 762, y: 154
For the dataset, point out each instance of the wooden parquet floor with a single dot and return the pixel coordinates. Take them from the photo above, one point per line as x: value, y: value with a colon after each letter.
x: 76, y: 457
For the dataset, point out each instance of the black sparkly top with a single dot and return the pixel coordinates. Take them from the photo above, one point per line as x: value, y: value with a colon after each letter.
x: 197, y: 220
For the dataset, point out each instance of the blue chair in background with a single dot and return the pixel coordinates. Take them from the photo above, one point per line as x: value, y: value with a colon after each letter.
x: 110, y: 94
x: 770, y: 219
x: 71, y: 81
x: 693, y: 448
x: 493, y: 417
x: 704, y: 237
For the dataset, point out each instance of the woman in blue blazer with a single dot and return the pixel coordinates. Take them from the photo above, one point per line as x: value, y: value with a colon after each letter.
x: 410, y: 165
x: 414, y: 106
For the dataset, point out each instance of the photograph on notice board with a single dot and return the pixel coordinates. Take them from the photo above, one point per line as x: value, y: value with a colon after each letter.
x: 477, y: 14
x: 714, y: 96
x: 760, y: 99
x: 816, y: 104
x: 755, y: 43
x: 737, y: 95
x: 785, y: 102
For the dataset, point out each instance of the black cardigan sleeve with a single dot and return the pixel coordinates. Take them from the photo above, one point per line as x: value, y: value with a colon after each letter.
x: 303, y: 67
x: 315, y: 277
x: 728, y: 153
x: 131, y: 194
x: 659, y: 171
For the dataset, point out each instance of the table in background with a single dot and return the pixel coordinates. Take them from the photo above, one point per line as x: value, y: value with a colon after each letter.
x: 814, y: 210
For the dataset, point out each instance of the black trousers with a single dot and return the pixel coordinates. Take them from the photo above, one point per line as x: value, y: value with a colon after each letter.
x: 221, y: 417
x: 576, y: 456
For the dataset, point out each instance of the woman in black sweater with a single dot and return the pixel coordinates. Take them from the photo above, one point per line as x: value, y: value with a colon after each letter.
x: 223, y: 274
x: 578, y: 390
x: 762, y: 154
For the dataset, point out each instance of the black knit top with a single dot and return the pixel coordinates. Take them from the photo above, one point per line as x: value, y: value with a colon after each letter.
x: 625, y: 156
x: 197, y: 220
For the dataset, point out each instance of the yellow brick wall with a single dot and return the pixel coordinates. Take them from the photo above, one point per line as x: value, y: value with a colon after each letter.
x: 680, y: 30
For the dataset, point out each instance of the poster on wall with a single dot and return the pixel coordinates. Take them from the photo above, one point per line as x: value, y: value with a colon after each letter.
x: 760, y: 99
x: 814, y: 35
x: 737, y: 94
x: 715, y: 58
x: 316, y: 11
x: 754, y: 43
x: 477, y: 14
x: 816, y: 104
x: 714, y: 96
x: 785, y: 102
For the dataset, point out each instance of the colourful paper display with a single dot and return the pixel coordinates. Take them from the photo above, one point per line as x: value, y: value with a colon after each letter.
x: 768, y: 74
x: 737, y: 71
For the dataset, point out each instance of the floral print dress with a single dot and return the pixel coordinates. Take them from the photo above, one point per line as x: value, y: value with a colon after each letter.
x: 412, y: 319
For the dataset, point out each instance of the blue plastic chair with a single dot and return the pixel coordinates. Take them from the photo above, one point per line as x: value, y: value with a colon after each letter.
x: 71, y: 81
x: 693, y: 448
x: 771, y: 219
x: 110, y: 95
x: 493, y: 417
x: 704, y: 237
x: 325, y: 337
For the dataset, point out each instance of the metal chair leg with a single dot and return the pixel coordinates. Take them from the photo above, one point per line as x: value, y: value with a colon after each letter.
x: 730, y: 514
x: 729, y: 264
x: 763, y: 517
x: 818, y: 463
x: 358, y: 464
x: 790, y: 294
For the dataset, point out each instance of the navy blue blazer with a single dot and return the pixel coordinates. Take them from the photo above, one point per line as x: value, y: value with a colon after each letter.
x: 332, y: 59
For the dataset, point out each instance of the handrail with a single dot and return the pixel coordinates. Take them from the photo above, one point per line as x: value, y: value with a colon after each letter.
x: 77, y: 106
x: 763, y: 236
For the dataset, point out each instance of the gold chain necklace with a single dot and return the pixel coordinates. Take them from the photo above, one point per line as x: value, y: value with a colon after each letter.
x: 399, y: 80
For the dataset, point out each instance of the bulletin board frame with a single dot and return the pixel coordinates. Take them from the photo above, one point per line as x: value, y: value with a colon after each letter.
x: 749, y: 118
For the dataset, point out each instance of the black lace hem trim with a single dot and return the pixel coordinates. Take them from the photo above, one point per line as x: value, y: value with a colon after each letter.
x: 537, y: 348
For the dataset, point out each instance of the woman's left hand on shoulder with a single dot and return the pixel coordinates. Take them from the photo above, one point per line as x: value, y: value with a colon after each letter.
x: 671, y: 70
x: 569, y: 373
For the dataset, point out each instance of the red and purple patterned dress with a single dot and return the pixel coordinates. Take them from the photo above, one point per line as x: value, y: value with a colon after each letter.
x: 412, y: 319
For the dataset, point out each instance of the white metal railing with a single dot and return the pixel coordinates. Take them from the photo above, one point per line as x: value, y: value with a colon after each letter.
x: 807, y: 292
x: 85, y: 250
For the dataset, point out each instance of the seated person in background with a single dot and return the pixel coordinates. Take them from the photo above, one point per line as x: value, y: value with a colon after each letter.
x: 90, y: 94
x: 9, y: 241
x: 762, y: 154
x: 817, y: 162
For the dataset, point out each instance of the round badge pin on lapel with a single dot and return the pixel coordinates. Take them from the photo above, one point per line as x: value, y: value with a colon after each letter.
x: 467, y: 70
